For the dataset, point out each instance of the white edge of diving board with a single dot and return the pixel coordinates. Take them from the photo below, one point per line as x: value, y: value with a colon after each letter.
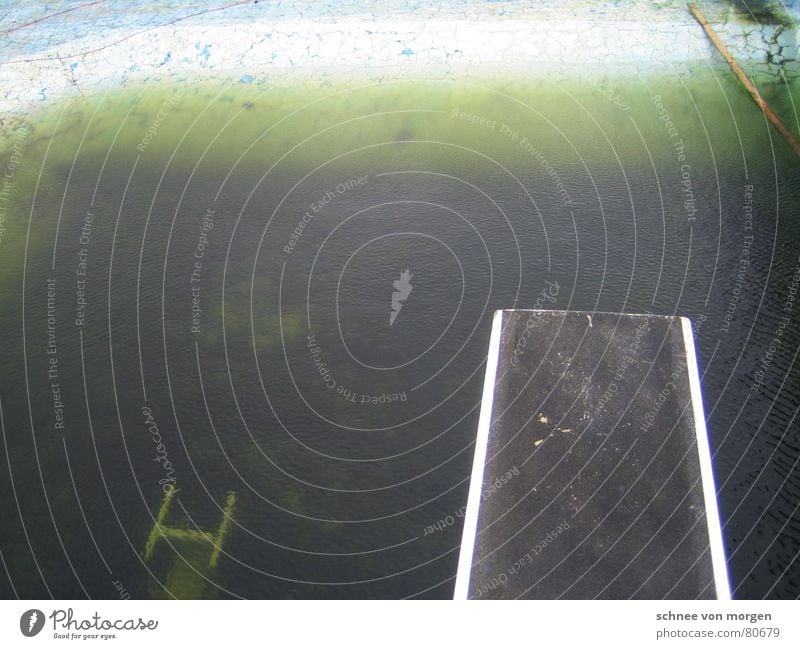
x: 721, y: 583
x: 470, y: 533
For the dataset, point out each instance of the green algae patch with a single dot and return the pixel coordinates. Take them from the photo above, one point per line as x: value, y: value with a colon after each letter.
x: 304, y: 126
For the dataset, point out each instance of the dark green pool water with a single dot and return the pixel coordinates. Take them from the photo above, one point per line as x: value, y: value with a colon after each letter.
x: 196, y: 294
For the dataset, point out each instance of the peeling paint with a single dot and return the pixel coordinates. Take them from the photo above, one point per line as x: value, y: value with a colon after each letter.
x: 160, y: 42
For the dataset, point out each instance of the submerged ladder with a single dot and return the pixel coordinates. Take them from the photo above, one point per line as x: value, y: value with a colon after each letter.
x: 215, y: 540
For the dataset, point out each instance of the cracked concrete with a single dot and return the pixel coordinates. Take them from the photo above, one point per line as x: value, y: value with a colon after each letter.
x: 70, y: 49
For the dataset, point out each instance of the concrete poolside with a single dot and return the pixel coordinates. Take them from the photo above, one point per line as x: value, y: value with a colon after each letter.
x: 69, y: 51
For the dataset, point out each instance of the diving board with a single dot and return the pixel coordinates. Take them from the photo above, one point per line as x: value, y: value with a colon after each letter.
x: 592, y: 474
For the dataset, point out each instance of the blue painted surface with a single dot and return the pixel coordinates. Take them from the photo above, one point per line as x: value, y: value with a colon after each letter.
x: 85, y: 21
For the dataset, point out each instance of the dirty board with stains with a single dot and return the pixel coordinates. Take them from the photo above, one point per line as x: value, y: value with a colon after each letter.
x: 592, y: 475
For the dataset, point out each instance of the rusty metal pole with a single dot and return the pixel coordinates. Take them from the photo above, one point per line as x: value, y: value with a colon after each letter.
x: 749, y: 86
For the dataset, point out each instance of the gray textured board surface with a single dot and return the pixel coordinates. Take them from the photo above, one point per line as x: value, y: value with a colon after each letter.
x: 592, y: 464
